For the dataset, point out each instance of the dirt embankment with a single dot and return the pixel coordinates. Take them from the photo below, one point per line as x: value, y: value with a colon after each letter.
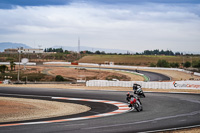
x: 18, y: 109
x: 85, y: 74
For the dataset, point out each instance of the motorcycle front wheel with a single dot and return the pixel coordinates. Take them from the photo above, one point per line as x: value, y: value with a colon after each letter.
x: 137, y: 107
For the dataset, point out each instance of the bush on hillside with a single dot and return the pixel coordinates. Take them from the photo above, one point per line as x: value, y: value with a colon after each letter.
x: 196, y: 64
x: 187, y: 64
x: 162, y: 63
x: 59, y: 78
x: 174, y: 64
x: 152, y: 65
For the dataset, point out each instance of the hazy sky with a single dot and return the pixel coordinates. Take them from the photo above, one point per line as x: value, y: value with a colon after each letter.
x: 134, y: 25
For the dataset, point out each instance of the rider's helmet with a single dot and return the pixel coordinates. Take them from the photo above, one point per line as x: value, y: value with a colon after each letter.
x: 134, y: 86
x: 128, y: 94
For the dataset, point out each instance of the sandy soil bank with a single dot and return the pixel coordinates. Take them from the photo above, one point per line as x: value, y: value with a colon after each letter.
x: 17, y: 109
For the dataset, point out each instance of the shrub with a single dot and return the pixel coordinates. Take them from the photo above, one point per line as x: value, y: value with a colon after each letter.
x: 59, y: 78
x: 174, y: 64
x: 187, y: 64
x: 162, y: 63
x: 196, y: 64
x: 3, y: 68
x: 152, y: 65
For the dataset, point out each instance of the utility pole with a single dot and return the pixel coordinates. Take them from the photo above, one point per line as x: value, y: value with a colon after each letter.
x: 19, y: 55
x: 78, y: 45
x: 78, y: 53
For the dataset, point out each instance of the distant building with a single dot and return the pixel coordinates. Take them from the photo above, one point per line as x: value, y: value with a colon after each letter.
x: 25, y: 51
x: 108, y: 63
x: 32, y: 51
x: 10, y: 50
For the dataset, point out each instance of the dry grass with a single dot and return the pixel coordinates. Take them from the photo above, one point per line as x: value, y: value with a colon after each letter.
x: 190, y: 130
x: 86, y: 74
x: 138, y: 60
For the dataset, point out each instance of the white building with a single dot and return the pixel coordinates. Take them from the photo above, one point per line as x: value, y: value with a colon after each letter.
x: 25, y: 51
x: 31, y: 51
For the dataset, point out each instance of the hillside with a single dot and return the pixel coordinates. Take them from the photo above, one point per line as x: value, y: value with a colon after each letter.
x: 6, y: 45
x: 136, y: 60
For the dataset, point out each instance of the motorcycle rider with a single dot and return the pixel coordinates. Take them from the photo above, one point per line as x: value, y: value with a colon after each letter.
x: 136, y: 87
x: 128, y: 98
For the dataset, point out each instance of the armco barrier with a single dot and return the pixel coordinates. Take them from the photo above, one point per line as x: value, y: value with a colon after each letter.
x: 27, y: 64
x: 153, y: 85
x: 66, y: 63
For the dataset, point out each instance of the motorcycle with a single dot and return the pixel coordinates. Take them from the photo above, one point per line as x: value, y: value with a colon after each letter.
x: 138, y: 90
x: 135, y: 104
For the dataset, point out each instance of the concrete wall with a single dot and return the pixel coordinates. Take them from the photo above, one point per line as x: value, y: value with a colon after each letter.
x: 152, y: 85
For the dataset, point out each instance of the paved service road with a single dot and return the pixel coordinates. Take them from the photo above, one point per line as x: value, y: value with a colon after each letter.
x: 161, y: 111
x: 153, y: 76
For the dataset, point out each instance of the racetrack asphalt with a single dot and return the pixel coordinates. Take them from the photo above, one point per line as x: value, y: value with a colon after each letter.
x: 161, y: 111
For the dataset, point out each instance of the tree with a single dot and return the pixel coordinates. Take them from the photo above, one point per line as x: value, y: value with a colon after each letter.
x: 157, y: 52
x: 177, y: 53
x: 12, y: 65
x: 97, y: 52
x: 147, y: 52
x: 187, y: 64
x: 103, y: 52
x: 3, y: 68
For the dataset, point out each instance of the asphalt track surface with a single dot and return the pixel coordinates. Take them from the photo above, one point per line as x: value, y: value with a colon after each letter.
x: 152, y: 76
x: 161, y: 111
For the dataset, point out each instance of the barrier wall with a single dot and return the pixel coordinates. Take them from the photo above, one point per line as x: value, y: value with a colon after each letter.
x: 153, y: 85
x: 66, y: 63
x: 27, y: 64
